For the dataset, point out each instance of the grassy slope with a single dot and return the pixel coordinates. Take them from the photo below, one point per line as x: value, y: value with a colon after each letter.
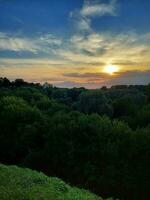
x: 25, y: 184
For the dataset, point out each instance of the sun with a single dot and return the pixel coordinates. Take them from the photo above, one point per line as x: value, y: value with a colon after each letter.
x: 111, y: 69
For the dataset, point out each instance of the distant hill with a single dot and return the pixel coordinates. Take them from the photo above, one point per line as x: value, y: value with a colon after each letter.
x: 25, y: 184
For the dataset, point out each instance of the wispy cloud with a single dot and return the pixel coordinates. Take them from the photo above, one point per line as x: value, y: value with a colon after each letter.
x: 16, y: 44
x: 31, y: 61
x: 83, y: 24
x: 34, y: 45
x: 97, y: 8
x: 125, y: 49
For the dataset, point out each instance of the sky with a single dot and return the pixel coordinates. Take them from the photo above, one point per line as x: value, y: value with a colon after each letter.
x: 76, y: 43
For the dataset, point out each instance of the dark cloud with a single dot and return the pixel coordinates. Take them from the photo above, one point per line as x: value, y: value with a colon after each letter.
x: 97, y: 52
x: 96, y: 80
x: 86, y: 75
x: 125, y: 63
x: 131, y: 78
x: 88, y: 53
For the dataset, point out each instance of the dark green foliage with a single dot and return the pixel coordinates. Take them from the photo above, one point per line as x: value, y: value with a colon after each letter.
x: 4, y: 82
x: 22, y: 128
x: 94, y: 102
x: 143, y: 116
x: 96, y: 139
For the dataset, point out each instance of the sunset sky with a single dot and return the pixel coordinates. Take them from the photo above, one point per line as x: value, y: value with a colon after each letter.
x: 74, y: 43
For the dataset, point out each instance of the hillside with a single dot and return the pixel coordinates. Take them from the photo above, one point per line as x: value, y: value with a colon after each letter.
x: 97, y: 140
x: 25, y: 184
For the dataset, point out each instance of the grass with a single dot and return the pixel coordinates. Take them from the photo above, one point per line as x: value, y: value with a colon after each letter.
x: 25, y: 184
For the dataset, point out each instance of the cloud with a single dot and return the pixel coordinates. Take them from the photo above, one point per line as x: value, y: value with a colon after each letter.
x: 49, y: 39
x: 92, y: 45
x: 92, y: 51
x: 80, y: 22
x: 31, y: 61
x: 84, y: 24
x: 124, y: 49
x: 43, y: 43
x: 80, y: 59
x: 96, y: 8
x: 130, y: 63
x: 92, y: 8
x: 134, y: 77
x: 86, y: 75
x: 16, y: 44
x: 97, y: 80
x: 63, y: 75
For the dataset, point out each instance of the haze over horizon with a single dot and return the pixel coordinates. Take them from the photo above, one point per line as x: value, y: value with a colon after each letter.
x: 75, y: 43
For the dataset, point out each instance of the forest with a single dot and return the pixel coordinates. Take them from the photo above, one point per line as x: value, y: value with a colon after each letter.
x: 94, y: 139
